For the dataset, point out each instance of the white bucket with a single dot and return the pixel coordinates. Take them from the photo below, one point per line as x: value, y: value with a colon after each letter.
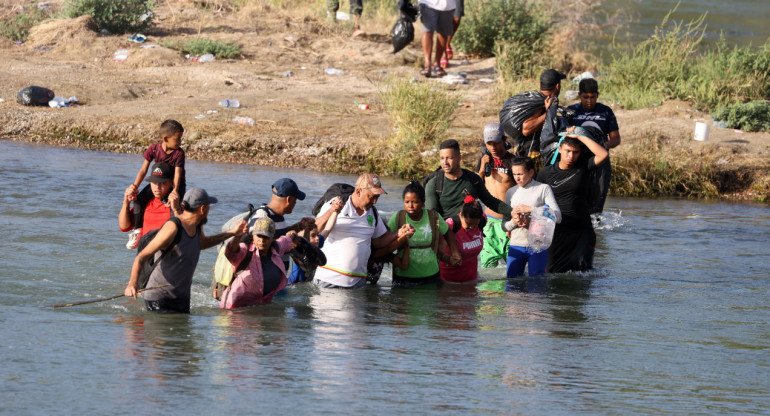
x: 701, y: 132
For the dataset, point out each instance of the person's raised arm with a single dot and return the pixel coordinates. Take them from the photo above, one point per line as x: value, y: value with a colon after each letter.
x: 125, y: 219
x: 161, y: 241
x: 335, y: 206
x: 329, y: 226
x: 600, y: 153
x: 211, y: 241
x: 140, y: 176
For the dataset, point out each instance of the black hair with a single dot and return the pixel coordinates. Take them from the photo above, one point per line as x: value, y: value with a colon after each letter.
x: 169, y: 128
x: 528, y: 163
x: 184, y: 206
x: 415, y: 188
x: 472, y: 210
x: 588, y: 86
x: 450, y: 144
x: 571, y: 141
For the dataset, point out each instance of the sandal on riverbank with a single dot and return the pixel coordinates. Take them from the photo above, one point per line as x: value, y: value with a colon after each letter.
x: 444, y: 63
x: 425, y: 71
x: 449, y: 53
x: 438, y: 71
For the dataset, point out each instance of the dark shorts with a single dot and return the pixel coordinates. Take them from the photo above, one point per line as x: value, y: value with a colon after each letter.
x: 437, y: 21
x: 407, y: 282
x: 460, y: 9
x: 168, y: 305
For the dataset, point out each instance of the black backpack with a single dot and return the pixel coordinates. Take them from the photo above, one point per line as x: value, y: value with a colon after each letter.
x: 343, y: 191
x: 151, y: 263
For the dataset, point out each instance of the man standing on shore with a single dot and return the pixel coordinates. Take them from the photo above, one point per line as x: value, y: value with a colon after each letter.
x: 574, y: 238
x: 495, y: 169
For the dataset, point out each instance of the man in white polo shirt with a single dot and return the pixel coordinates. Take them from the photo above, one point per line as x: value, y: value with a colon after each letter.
x: 357, y: 228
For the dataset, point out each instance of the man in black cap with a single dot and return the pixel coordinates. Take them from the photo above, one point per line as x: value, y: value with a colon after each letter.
x: 182, y: 239
x: 155, y: 212
x: 524, y: 114
x: 550, y: 87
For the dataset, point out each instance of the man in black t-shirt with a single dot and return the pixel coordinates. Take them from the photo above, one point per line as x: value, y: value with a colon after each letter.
x: 591, y: 113
x: 574, y: 238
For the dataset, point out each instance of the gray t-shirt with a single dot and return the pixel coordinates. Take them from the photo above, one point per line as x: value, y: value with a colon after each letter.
x: 176, y: 269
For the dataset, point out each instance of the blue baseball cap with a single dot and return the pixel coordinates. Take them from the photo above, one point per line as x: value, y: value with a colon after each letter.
x: 286, y: 187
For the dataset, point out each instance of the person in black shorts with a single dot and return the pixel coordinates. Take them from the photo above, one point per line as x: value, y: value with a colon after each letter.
x: 574, y: 238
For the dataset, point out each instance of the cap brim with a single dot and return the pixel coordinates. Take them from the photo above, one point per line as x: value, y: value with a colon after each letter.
x: 492, y: 139
x: 264, y: 235
x: 213, y: 200
x: 300, y: 195
x: 377, y: 191
x: 158, y: 179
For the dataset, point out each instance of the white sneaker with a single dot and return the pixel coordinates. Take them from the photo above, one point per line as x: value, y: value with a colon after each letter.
x: 133, y: 238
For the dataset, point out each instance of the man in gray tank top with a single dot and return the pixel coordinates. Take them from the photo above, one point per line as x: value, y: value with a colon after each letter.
x: 175, y: 271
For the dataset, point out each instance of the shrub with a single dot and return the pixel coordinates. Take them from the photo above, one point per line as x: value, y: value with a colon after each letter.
x: 200, y: 46
x: 117, y: 16
x: 422, y: 113
x: 751, y: 116
x: 488, y: 23
x: 16, y: 26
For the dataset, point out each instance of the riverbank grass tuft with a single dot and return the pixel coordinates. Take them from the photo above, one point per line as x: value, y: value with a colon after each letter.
x: 199, y: 45
x: 422, y: 113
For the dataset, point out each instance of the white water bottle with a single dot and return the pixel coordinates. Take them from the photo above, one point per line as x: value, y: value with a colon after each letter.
x: 244, y: 121
x: 541, y: 227
x: 230, y: 103
x: 206, y: 58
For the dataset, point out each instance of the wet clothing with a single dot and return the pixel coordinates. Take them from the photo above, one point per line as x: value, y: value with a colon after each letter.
x: 603, y: 116
x: 453, y: 194
x: 407, y: 282
x: 470, y: 244
x: 348, y: 246
x: 574, y: 238
x: 495, y: 243
x: 518, y: 257
x: 175, y: 269
x: 261, y: 279
x: 422, y: 259
x: 297, y: 275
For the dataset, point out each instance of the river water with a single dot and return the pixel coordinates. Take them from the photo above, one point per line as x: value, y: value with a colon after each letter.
x: 740, y: 21
x: 674, y: 321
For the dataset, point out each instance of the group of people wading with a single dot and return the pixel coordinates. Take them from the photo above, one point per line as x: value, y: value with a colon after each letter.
x: 438, y: 237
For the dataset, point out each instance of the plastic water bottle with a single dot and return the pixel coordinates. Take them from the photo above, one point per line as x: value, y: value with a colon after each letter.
x: 244, y: 121
x: 206, y: 58
x: 541, y: 228
x: 58, y: 102
x: 334, y: 71
x: 230, y: 103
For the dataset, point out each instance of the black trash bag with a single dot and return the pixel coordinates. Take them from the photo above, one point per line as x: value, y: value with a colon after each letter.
x: 33, y: 95
x: 307, y: 256
x: 517, y: 109
x: 403, y: 34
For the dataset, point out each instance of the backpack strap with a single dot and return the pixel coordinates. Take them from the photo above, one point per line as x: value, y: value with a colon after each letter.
x: 433, y: 218
x: 400, y: 219
x: 440, y: 183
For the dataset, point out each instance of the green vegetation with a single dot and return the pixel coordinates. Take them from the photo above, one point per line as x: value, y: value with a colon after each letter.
x: 490, y: 24
x: 751, y: 116
x: 422, y: 113
x: 16, y: 25
x: 669, y: 66
x: 117, y: 16
x: 659, y: 166
x: 199, y: 45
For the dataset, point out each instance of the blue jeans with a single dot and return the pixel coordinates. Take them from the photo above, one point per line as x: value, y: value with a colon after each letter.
x: 518, y: 257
